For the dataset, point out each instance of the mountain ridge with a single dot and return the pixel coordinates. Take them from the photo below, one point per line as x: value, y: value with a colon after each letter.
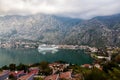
x: 98, y: 31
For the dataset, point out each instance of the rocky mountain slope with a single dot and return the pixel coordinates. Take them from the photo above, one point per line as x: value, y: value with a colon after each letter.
x: 99, y: 31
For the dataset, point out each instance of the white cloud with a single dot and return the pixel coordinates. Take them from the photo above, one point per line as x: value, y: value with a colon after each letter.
x: 72, y: 8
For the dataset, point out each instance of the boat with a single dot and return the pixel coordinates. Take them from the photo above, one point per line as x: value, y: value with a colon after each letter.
x: 47, y: 48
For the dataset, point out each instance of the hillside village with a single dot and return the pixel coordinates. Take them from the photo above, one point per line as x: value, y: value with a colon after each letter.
x: 58, y: 71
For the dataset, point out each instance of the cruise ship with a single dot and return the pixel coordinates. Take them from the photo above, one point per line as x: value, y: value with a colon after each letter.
x: 45, y: 47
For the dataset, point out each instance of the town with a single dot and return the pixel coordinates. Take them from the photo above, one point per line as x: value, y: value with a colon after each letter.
x: 106, y: 62
x: 35, y: 44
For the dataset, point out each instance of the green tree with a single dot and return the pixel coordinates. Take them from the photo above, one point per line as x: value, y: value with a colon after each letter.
x: 12, y: 77
x: 95, y: 74
x: 44, y: 68
x: 109, y: 66
x: 22, y: 67
x: 115, y: 74
x: 12, y: 67
x: 38, y: 78
x: 5, y: 67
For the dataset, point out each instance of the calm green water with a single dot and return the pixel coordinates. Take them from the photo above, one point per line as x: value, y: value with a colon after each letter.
x: 29, y: 56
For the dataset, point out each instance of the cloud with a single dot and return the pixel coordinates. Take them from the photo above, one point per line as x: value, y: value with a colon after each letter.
x: 72, y: 8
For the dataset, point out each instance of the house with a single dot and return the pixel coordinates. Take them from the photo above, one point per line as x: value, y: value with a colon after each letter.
x: 77, y: 77
x: 29, y: 76
x: 17, y: 74
x: 93, y: 49
x: 98, y: 66
x: 62, y: 75
x: 66, y: 75
x: 57, y: 67
x: 4, y: 74
x: 34, y: 70
x: 52, y: 77
x: 87, y: 66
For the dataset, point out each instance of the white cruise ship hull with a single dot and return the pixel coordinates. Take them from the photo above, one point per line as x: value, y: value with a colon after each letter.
x: 48, y: 48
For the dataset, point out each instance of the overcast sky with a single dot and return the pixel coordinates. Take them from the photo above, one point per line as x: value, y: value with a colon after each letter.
x: 72, y: 8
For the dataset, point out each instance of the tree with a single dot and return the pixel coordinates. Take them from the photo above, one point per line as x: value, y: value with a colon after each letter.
x: 12, y: 67
x: 117, y: 58
x: 22, y: 67
x: 95, y: 74
x: 5, y: 67
x: 38, y: 78
x: 44, y: 68
x: 44, y: 65
x: 115, y: 74
x: 63, y: 79
x: 109, y: 66
x: 12, y: 77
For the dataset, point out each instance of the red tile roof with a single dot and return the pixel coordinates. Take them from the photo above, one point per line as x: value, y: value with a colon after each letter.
x: 87, y: 65
x: 4, y: 72
x: 33, y: 68
x: 66, y: 75
x: 26, y: 76
x: 17, y: 73
x: 52, y: 77
x: 33, y: 72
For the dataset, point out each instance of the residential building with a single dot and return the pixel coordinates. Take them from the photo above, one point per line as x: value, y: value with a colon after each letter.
x: 4, y: 74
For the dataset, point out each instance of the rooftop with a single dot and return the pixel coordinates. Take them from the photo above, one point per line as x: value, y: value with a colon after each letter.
x: 66, y: 75
x: 52, y: 77
x: 16, y: 73
x: 26, y: 76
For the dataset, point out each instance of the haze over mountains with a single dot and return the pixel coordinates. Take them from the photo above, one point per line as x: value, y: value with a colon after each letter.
x: 98, y: 31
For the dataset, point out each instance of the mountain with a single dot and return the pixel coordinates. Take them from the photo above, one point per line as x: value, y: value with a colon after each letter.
x: 46, y: 28
x: 98, y: 31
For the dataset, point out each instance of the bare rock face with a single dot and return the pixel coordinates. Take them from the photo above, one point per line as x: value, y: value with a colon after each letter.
x: 99, y: 31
